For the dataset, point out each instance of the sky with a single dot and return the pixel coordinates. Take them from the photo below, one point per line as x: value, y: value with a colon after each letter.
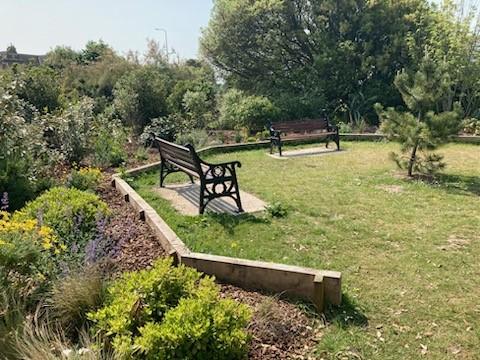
x: 37, y: 26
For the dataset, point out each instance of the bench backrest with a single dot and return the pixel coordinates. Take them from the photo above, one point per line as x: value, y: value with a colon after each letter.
x: 184, y: 157
x: 301, y: 125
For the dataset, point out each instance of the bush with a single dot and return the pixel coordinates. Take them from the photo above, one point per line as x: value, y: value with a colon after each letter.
x: 171, y: 313
x: 197, y: 138
x: 25, y: 158
x: 344, y: 128
x: 71, y: 131
x: 27, y: 252
x: 85, y: 179
x: 140, y: 95
x: 108, y: 144
x: 73, y: 215
x: 238, y: 110
x: 471, y: 126
x: 163, y: 127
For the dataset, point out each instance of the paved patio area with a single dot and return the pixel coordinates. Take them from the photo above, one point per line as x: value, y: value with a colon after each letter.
x: 185, y: 198
x: 315, y: 151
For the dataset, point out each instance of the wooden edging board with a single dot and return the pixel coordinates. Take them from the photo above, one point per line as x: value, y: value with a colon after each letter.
x: 321, y: 287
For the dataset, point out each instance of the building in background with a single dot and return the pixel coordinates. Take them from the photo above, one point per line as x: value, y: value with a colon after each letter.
x: 10, y: 57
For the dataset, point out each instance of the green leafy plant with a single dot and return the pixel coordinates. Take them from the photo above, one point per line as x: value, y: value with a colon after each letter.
x: 471, y: 126
x: 197, y: 138
x: 108, y: 144
x: 170, y: 313
x: 162, y: 127
x: 73, y: 214
x: 86, y: 179
x: 277, y: 209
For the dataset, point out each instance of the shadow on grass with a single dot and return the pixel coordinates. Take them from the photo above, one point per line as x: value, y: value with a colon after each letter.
x: 230, y: 222
x: 459, y: 184
x: 346, y: 315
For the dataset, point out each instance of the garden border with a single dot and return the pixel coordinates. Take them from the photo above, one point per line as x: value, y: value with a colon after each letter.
x: 321, y: 287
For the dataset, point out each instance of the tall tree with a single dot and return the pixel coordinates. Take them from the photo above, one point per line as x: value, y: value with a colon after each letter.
x: 307, y: 54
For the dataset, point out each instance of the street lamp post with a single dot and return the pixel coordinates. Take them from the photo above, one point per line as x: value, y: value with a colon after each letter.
x: 166, y: 40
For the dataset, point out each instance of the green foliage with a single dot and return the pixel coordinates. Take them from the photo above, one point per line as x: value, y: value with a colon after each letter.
x: 422, y: 128
x: 109, y: 143
x: 85, y: 179
x: 162, y: 127
x: 309, y: 55
x: 41, y: 88
x: 27, y: 252
x: 198, y: 138
x: 238, y: 110
x: 471, y: 126
x: 25, y: 157
x: 344, y: 128
x: 277, y: 210
x: 71, y: 213
x: 169, y: 313
x: 71, y: 130
x: 140, y: 96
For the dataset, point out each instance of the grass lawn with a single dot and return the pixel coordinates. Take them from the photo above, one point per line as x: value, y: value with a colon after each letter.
x: 409, y: 251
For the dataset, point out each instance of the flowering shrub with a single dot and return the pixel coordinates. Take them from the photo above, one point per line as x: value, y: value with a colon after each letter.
x: 87, y: 178
x: 72, y: 214
x: 28, y: 251
x: 172, y: 313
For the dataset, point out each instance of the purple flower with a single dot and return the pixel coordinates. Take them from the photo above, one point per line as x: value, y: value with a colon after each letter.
x: 4, y: 202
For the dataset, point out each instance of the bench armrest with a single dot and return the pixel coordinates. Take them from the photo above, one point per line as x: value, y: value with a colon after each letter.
x: 217, y: 172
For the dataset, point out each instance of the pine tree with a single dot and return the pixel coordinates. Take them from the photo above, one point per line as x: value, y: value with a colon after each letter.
x: 428, y: 123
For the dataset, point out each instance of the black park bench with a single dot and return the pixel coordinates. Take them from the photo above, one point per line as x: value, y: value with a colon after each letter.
x: 302, y: 130
x: 216, y: 180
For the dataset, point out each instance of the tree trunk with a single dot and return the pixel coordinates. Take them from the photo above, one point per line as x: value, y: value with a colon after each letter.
x: 413, y: 158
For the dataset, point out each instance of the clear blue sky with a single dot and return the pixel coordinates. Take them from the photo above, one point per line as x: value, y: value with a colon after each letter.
x: 36, y: 26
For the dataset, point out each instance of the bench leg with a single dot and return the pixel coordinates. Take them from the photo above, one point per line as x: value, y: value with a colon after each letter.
x: 191, y: 178
x: 201, y: 205
x: 162, y: 173
x: 337, y: 141
x: 280, y: 148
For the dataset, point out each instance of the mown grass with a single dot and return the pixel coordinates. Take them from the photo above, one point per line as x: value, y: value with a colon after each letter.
x: 408, y: 250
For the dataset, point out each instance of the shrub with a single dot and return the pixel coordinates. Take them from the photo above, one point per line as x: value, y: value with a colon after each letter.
x: 344, y: 128
x: 197, y: 138
x: 85, y: 179
x: 163, y: 127
x: 24, y: 155
x: 170, y: 313
x: 27, y: 252
x: 140, y: 95
x: 239, y: 110
x: 108, y: 144
x: 71, y: 130
x: 73, y: 214
x: 471, y: 126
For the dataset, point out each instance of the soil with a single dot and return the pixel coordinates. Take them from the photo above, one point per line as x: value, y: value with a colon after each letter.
x: 278, y: 329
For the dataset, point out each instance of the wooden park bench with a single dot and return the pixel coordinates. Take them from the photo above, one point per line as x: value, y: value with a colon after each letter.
x: 302, y: 130
x: 216, y: 180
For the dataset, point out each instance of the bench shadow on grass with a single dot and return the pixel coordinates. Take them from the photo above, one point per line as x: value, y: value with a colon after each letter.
x: 459, y: 184
x: 230, y: 222
x: 346, y: 315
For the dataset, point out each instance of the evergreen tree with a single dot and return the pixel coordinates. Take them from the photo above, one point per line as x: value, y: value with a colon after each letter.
x: 425, y: 125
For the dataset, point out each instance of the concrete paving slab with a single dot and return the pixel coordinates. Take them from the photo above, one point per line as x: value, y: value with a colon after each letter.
x: 315, y: 151
x: 185, y: 198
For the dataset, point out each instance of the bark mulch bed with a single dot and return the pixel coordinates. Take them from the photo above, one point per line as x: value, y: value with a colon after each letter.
x: 279, y: 329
